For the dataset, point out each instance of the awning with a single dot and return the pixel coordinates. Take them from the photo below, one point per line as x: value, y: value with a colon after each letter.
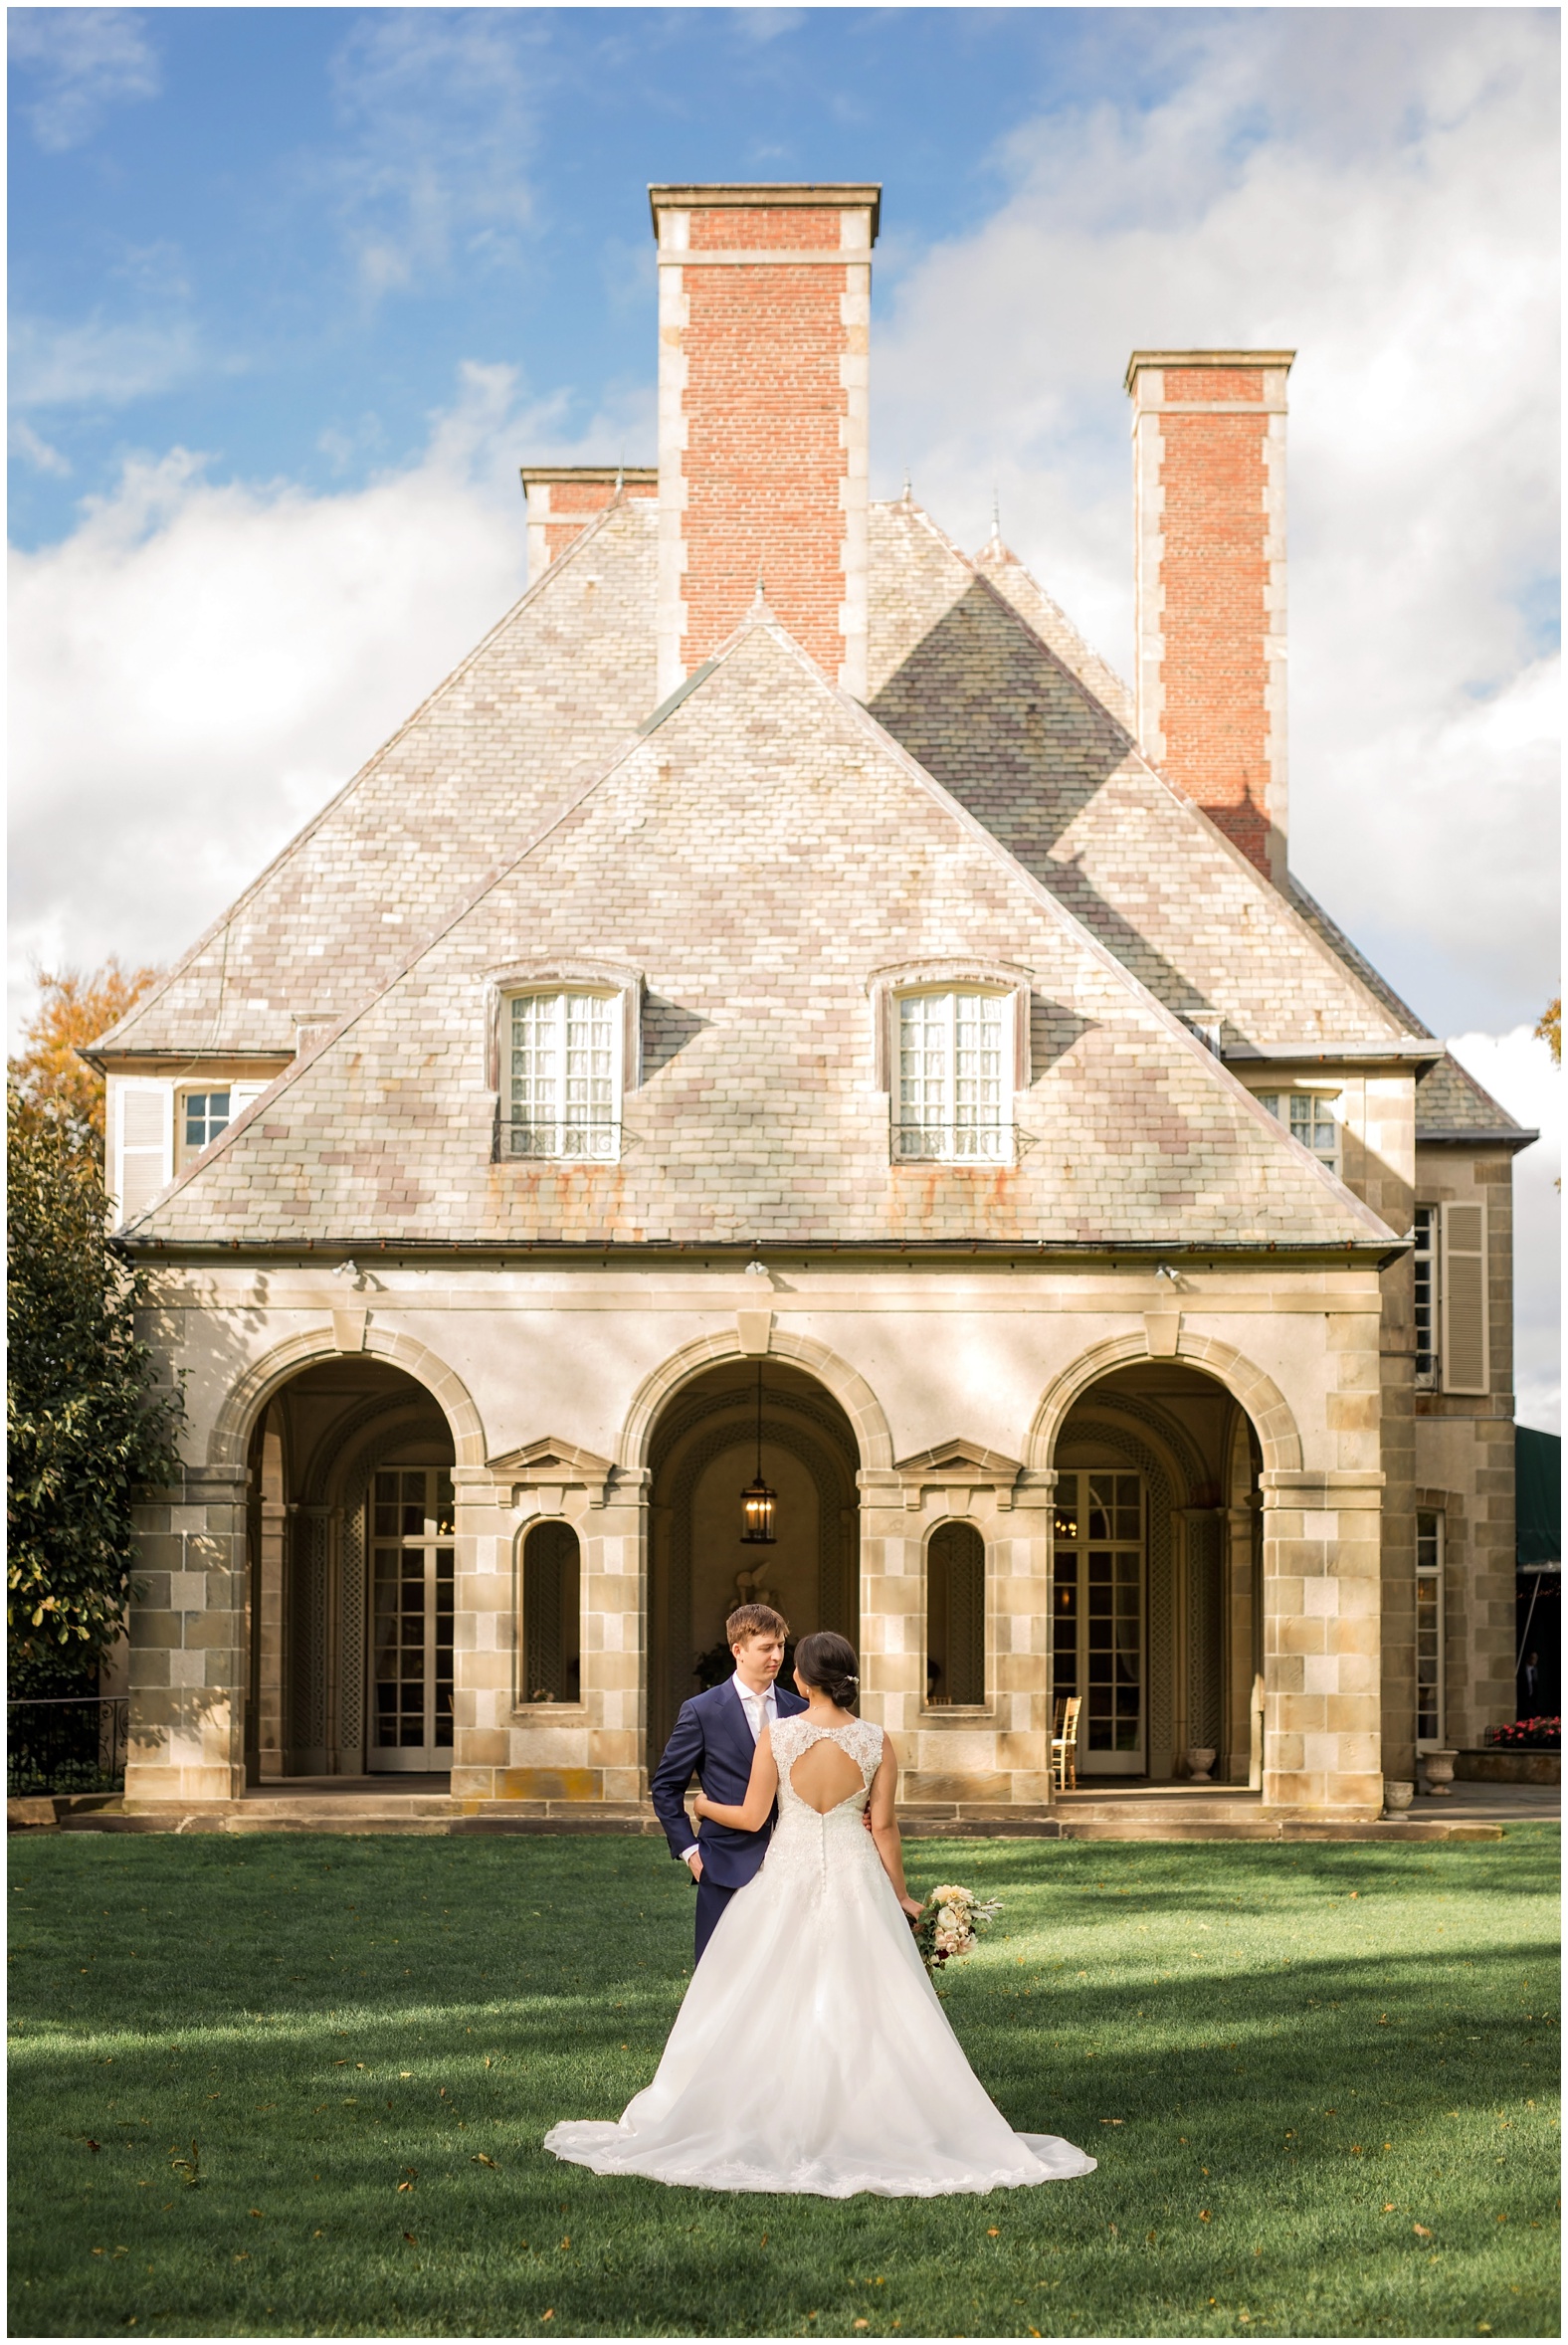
x: 1538, y: 1482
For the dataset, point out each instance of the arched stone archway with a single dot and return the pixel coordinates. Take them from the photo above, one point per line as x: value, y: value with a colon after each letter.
x: 861, y: 1407
x: 1249, y: 1385
x: 702, y: 1446
x: 228, y: 1442
x: 1156, y: 1556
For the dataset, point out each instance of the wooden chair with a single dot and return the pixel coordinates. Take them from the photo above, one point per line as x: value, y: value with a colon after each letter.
x: 1063, y: 1742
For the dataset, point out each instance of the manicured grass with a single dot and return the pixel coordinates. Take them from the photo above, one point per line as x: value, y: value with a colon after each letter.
x: 1318, y: 2080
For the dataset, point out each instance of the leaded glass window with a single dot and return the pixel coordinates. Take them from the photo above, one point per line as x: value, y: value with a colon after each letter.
x: 1426, y: 1277
x: 565, y: 1076
x: 953, y: 1090
x: 1097, y: 1614
x: 1430, y: 1527
x: 1311, y: 1121
x: 955, y: 1616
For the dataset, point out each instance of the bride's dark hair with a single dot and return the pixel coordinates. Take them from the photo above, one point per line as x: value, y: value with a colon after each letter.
x: 830, y: 1663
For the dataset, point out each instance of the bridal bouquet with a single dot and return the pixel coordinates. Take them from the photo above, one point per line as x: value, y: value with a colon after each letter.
x: 949, y: 1922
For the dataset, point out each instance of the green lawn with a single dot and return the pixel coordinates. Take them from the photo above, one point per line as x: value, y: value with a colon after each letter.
x: 1319, y: 2081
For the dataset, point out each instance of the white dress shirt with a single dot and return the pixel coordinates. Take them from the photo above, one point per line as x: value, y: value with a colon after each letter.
x: 761, y: 1710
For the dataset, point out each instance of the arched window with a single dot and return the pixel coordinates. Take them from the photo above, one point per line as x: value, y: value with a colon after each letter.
x: 955, y: 1616
x: 551, y: 1658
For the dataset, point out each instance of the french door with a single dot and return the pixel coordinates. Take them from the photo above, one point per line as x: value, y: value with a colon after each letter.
x: 1099, y: 1639
x: 412, y: 1584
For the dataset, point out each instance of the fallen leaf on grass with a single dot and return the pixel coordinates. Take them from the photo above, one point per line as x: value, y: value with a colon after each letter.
x: 257, y: 2212
x: 94, y: 2145
x: 1204, y: 2215
x: 1389, y: 2209
x: 550, y: 2315
x: 1113, y: 2120
x: 1421, y: 2231
x: 480, y: 2159
x: 409, y: 2235
x: 405, y: 2186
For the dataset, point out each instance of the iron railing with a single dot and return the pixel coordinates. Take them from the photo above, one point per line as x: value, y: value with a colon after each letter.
x: 570, y: 1139
x: 919, y: 1142
x: 67, y: 1743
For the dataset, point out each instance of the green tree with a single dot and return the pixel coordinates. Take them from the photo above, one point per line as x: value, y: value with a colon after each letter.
x: 85, y: 1424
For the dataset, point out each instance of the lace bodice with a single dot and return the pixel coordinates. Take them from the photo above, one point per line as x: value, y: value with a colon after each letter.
x: 859, y: 1740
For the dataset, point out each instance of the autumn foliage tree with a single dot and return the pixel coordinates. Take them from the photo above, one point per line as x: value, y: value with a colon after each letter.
x: 72, y: 1010
x: 87, y: 1423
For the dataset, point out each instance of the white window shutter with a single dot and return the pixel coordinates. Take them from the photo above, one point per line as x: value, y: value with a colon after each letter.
x: 143, y: 1142
x: 1465, y: 1320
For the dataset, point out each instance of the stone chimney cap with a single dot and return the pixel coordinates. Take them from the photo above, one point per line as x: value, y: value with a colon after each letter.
x: 550, y: 473
x: 767, y: 195
x: 1142, y: 358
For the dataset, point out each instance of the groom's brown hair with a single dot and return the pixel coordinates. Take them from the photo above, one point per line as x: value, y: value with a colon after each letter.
x: 755, y: 1620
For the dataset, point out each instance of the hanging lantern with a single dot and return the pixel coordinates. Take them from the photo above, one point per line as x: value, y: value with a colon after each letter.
x: 757, y: 1502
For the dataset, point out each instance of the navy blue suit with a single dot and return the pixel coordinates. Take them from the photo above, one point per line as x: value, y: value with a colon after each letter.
x: 711, y: 1739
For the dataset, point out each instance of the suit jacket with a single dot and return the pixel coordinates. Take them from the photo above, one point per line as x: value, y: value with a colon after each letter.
x: 712, y: 1742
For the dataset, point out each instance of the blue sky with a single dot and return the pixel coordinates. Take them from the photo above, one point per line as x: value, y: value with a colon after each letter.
x: 269, y: 231
x: 294, y: 291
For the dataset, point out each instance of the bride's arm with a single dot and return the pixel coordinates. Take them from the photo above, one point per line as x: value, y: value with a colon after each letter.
x: 884, y: 1823
x: 761, y: 1792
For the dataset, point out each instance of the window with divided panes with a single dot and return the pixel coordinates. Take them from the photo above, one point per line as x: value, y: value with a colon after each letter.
x: 954, y: 1057
x: 955, y: 1616
x: 412, y: 1582
x: 565, y: 1076
x: 1098, y: 1614
x: 1426, y: 1277
x: 1429, y: 1526
x: 202, y: 1117
x: 1311, y: 1121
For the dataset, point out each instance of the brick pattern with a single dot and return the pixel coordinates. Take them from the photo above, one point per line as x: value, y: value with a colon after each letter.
x: 563, y: 500
x: 764, y: 403
x: 1210, y: 497
x: 1214, y: 579
x: 760, y: 855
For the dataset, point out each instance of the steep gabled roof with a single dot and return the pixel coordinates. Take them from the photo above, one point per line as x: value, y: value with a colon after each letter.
x: 760, y: 853
x: 538, y: 704
x: 961, y: 678
x: 1017, y: 585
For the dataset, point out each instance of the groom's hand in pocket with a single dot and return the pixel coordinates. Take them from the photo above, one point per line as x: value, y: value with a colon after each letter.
x: 695, y: 1862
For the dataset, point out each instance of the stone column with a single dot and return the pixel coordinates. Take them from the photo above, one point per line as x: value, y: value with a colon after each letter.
x: 1240, y: 1649
x: 1322, y: 1635
x: 481, y: 1632
x: 187, y: 1670
x: 615, y: 1639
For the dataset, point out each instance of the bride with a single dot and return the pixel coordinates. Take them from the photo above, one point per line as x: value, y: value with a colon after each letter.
x: 811, y: 2052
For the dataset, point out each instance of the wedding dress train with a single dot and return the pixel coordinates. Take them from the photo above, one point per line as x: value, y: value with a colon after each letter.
x: 811, y: 2052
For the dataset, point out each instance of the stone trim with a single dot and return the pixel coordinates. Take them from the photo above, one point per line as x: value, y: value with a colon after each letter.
x: 566, y: 976
x: 228, y: 1441
x: 1265, y: 1404
x: 859, y: 1404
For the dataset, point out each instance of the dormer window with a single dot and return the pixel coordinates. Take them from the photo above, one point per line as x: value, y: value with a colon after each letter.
x: 203, y: 1116
x: 565, y: 1076
x: 1312, y: 1119
x: 954, y: 1099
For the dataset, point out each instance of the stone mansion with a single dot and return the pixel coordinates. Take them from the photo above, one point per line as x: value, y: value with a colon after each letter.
x: 788, y: 1077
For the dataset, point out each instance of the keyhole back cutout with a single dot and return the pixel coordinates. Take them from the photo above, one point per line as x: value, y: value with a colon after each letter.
x: 825, y: 1776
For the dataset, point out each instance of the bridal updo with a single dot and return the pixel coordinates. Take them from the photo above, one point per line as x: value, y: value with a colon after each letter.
x: 830, y: 1664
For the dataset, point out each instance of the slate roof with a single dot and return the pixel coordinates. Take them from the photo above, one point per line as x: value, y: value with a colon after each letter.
x: 974, y: 670
x: 760, y: 854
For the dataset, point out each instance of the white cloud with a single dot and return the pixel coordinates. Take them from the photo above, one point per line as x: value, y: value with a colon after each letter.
x: 196, y: 668
x: 1377, y: 189
x: 439, y: 128
x: 1517, y: 1070
x: 79, y: 61
x: 26, y: 443
x: 99, y: 362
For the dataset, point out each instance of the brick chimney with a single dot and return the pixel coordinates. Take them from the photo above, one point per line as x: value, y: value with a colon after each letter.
x: 564, y: 497
x: 764, y: 321
x: 1208, y: 462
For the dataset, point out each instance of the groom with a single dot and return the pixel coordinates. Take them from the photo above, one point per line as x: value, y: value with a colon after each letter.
x: 715, y: 1738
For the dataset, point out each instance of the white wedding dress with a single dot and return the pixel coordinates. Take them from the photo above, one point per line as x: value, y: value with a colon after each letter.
x: 811, y: 2052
